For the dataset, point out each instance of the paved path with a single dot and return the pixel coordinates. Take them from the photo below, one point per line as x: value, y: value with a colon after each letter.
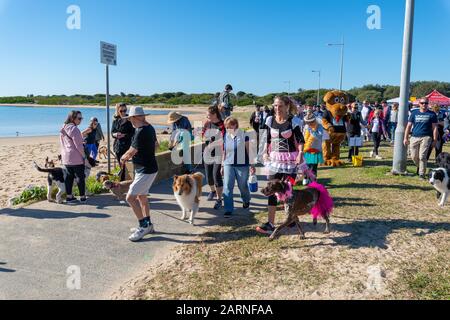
x: 40, y: 242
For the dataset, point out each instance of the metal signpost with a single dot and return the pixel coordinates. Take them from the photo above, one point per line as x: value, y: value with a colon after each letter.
x: 108, y: 54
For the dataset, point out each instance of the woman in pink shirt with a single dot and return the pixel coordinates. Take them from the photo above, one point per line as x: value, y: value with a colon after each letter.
x: 73, y: 156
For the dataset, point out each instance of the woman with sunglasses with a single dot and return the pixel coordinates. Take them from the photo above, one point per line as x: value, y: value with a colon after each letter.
x: 122, y: 131
x: 73, y: 156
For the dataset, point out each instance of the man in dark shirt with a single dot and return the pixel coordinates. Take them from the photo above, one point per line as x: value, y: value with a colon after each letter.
x: 143, y: 153
x: 423, y: 124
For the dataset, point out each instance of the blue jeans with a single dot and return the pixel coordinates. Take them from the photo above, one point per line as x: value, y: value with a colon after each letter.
x: 392, y: 129
x: 231, y: 174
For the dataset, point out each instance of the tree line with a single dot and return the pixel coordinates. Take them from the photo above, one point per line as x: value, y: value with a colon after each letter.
x: 368, y: 92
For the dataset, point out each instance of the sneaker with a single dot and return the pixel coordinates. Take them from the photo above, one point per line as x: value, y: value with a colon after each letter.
x: 212, y: 196
x: 71, y: 201
x: 378, y: 158
x: 140, y: 233
x: 266, y: 229
x: 371, y: 154
x: 228, y: 215
x: 83, y: 200
x: 218, y: 205
x: 246, y: 205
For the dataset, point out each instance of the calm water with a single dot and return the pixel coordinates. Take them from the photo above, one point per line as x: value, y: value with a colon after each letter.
x: 34, y: 121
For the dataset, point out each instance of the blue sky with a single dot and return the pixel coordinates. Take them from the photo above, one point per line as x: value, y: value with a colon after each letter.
x: 200, y: 45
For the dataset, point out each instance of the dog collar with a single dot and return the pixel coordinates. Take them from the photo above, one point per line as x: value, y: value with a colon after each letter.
x: 285, y: 196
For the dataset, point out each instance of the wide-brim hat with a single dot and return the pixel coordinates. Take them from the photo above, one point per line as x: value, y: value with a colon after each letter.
x: 136, y: 112
x: 174, y: 117
x: 310, y: 117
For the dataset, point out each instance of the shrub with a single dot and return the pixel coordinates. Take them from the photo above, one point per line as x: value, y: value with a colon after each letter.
x: 31, y: 194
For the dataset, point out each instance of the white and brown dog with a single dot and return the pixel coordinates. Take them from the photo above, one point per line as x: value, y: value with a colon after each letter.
x: 188, y: 190
x: 440, y: 180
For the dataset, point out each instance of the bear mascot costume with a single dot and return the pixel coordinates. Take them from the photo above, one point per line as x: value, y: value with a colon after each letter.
x: 334, y: 122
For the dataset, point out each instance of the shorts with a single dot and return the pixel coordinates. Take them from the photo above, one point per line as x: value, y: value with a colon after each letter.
x: 141, y: 184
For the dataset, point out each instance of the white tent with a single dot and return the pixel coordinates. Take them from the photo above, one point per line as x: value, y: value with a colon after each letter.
x: 392, y: 101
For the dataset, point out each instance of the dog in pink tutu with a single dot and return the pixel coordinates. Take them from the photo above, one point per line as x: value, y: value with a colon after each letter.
x: 314, y: 200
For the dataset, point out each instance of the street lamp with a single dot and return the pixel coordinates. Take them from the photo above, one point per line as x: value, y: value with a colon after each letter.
x: 342, y: 45
x: 400, y: 150
x: 289, y: 83
x: 318, y: 90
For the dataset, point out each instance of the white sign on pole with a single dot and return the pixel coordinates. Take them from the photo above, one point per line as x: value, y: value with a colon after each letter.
x: 108, y: 53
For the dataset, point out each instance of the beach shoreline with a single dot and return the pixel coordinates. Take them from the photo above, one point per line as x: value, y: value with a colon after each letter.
x: 158, y: 107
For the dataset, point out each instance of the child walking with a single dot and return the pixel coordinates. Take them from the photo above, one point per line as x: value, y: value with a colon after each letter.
x: 313, y: 143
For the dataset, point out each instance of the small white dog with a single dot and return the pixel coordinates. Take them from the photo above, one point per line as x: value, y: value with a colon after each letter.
x: 188, y: 190
x: 440, y: 179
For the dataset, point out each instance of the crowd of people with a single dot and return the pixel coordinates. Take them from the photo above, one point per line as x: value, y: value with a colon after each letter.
x: 287, y: 141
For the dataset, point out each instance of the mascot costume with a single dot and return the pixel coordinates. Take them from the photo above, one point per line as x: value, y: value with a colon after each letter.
x: 334, y: 120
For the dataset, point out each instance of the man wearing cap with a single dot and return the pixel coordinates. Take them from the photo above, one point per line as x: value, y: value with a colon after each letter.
x: 225, y: 105
x: 181, y: 136
x: 142, y: 152
x: 423, y: 125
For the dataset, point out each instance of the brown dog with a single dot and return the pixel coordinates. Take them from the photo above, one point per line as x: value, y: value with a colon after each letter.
x: 103, y: 152
x: 314, y: 200
x: 187, y: 190
x: 119, y: 189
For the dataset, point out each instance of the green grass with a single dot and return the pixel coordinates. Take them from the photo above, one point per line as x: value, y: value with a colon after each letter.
x: 375, y: 222
x: 37, y: 194
x: 430, y: 282
x: 163, y: 146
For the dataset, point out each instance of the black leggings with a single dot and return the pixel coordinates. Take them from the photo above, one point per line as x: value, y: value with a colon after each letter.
x: 76, y: 173
x: 354, y: 151
x: 213, y: 175
x: 376, y: 137
x: 279, y: 176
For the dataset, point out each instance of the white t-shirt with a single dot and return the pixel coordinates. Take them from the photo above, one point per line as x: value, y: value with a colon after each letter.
x: 376, y: 125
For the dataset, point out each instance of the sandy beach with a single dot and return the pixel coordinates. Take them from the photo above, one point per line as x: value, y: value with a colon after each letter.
x: 17, y: 155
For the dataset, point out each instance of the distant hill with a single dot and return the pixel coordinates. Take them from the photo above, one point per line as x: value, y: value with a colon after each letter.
x: 367, y: 92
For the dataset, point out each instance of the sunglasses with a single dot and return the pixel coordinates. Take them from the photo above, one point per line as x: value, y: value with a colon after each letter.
x: 80, y: 119
x: 123, y: 111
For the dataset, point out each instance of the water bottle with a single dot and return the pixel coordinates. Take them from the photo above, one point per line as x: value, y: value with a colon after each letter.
x: 253, y: 184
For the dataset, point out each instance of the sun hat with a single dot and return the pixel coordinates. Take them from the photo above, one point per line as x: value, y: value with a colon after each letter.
x: 310, y: 117
x: 174, y: 117
x: 136, y: 112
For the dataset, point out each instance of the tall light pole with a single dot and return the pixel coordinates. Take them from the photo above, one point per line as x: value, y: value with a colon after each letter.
x: 342, y: 45
x: 400, y: 150
x: 289, y: 86
x: 318, y: 90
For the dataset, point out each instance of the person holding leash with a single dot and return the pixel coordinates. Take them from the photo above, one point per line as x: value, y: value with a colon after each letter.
x: 283, y: 152
x: 143, y: 153
x: 73, y: 156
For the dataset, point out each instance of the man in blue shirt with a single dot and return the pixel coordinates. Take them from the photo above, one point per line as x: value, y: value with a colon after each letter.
x: 423, y: 125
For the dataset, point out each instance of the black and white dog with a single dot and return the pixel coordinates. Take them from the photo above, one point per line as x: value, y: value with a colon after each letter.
x: 443, y: 160
x: 58, y: 176
x: 440, y: 179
